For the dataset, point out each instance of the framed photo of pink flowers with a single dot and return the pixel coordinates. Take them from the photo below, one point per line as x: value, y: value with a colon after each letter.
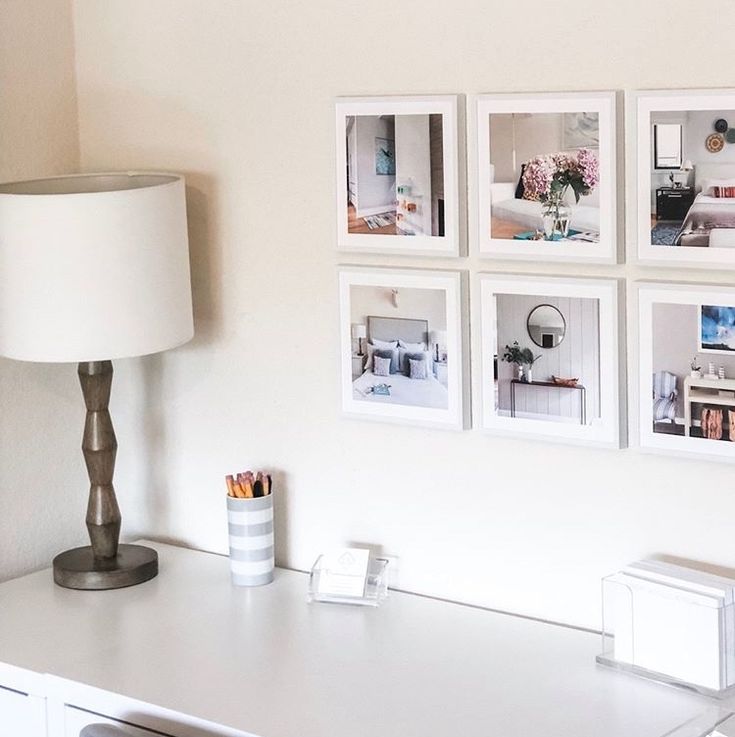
x: 544, y: 176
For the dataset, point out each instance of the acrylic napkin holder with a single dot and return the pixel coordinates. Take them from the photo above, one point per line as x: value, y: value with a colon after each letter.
x: 672, y: 636
x: 374, y: 591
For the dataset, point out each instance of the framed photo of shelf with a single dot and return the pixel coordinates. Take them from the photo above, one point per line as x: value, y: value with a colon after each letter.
x: 549, y: 358
x: 684, y: 176
x: 398, y: 175
x: 686, y: 369
x: 544, y: 176
x: 402, y: 346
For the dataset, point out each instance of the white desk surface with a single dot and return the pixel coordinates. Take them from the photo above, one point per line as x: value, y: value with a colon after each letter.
x: 266, y: 662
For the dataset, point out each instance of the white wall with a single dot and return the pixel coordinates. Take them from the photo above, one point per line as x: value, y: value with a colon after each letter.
x: 577, y: 356
x: 375, y: 192
x: 414, y: 304
x: 239, y: 96
x: 43, y: 485
x: 413, y: 166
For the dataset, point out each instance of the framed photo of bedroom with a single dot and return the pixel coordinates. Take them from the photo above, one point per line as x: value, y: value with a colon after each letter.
x: 685, y: 176
x: 544, y: 176
x: 398, y: 175
x: 549, y: 352
x: 402, y: 352
x: 686, y: 369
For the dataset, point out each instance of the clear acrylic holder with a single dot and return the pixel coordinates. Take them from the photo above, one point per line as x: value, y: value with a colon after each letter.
x: 671, y: 635
x: 374, y: 593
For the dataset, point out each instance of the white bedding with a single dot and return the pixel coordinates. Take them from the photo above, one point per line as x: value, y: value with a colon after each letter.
x: 412, y: 392
x: 528, y: 214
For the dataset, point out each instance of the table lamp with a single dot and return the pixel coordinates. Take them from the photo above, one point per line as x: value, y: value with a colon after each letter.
x: 438, y: 340
x: 95, y: 267
x: 359, y: 333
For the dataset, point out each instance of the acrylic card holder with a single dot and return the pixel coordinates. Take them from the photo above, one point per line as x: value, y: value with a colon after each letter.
x: 335, y: 584
x: 669, y: 634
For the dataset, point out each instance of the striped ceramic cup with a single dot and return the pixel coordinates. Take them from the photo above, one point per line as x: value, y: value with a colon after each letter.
x: 250, y: 523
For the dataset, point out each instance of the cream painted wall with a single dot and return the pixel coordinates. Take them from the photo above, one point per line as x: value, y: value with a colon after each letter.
x: 239, y: 97
x: 42, y: 479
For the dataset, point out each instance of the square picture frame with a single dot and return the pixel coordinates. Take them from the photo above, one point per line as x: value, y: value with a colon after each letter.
x: 403, y: 346
x: 682, y: 156
x: 415, y: 210
x: 566, y: 325
x: 529, y: 163
x: 684, y: 405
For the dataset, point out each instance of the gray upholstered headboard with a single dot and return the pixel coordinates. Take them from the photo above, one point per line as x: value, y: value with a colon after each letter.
x: 398, y: 328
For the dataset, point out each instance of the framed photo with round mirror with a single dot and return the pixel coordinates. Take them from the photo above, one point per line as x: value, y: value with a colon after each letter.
x: 546, y: 326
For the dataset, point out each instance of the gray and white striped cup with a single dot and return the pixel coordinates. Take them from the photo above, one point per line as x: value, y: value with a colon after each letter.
x: 250, y: 523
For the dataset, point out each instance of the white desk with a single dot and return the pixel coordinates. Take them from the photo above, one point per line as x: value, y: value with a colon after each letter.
x: 264, y: 662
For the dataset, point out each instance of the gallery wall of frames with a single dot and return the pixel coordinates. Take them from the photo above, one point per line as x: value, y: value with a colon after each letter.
x: 548, y: 352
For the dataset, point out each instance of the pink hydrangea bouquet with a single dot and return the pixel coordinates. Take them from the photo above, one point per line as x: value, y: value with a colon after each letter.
x: 548, y: 178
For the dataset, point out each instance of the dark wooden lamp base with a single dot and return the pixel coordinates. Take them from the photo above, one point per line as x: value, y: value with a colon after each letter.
x: 105, y: 564
x: 79, y: 569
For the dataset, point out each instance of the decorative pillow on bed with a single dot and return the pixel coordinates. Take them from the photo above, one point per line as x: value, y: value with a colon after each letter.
x: 413, y: 347
x: 381, y: 366
x: 408, y: 356
x: 417, y: 368
x: 719, y: 192
x: 391, y: 354
x: 384, y: 344
x: 708, y: 185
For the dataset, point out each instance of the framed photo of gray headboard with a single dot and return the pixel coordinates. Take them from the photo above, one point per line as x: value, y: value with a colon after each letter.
x: 411, y: 366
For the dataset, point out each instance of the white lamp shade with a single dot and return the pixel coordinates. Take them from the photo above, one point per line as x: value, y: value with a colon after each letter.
x: 438, y: 337
x: 94, y: 267
x: 687, y: 165
x: 359, y: 331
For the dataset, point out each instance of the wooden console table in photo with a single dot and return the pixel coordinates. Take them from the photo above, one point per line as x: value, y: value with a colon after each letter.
x: 706, y: 391
x: 580, y: 387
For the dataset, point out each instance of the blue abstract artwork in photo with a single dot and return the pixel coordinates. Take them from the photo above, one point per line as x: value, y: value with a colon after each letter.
x: 717, y: 328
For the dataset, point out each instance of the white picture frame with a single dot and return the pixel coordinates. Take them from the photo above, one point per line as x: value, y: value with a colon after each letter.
x: 381, y: 300
x: 598, y: 219
x: 433, y: 213
x: 657, y: 305
x: 592, y: 334
x: 689, y: 108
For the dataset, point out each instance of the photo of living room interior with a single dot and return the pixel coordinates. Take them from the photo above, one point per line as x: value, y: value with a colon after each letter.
x: 516, y: 140
x: 395, y: 174
x: 692, y: 179
x: 694, y: 370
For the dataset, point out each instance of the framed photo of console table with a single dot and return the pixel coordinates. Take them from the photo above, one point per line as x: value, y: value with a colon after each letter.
x: 549, y: 358
x: 398, y: 175
x: 686, y: 374
x: 684, y: 172
x: 544, y: 176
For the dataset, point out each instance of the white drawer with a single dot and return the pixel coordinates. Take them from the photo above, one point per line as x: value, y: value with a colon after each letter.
x: 76, y: 719
x: 21, y: 714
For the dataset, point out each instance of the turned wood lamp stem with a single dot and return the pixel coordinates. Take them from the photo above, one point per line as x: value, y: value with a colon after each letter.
x: 100, y: 449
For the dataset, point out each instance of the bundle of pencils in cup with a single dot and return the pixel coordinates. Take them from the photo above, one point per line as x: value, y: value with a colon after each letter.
x: 248, y: 485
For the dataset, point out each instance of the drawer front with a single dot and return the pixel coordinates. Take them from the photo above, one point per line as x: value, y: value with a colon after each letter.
x: 76, y: 719
x: 21, y: 714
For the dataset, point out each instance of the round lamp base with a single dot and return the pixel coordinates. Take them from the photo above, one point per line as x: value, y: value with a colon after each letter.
x: 79, y: 569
